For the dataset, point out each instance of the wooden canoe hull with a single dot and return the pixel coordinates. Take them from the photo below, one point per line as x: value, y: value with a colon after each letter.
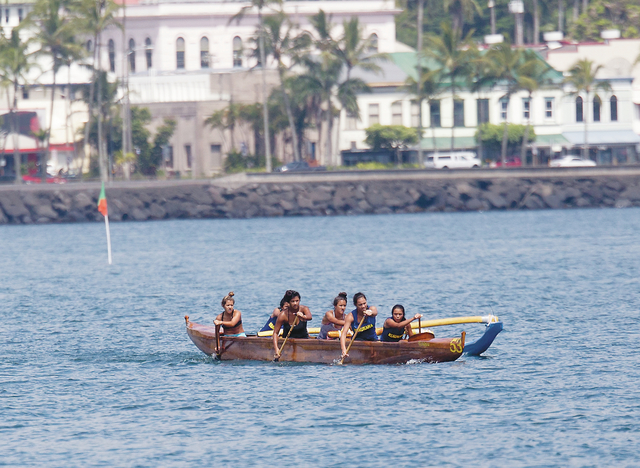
x: 311, y: 350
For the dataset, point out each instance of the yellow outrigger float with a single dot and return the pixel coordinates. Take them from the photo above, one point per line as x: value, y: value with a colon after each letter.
x: 493, y: 327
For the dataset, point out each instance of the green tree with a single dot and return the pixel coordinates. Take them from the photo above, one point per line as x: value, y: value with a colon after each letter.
x: 55, y: 32
x: 260, y: 5
x: 93, y: 17
x: 281, y: 44
x: 582, y: 79
x: 160, y: 140
x: 507, y: 66
x: 491, y: 136
x: 454, y: 56
x: 15, y: 63
x: 427, y: 89
x: 461, y: 10
x: 226, y: 120
x: 391, y: 137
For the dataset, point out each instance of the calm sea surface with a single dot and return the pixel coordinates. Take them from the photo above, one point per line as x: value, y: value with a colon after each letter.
x: 96, y: 368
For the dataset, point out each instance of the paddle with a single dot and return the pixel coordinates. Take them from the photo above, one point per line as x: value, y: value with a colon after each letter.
x: 218, y: 353
x: 353, y: 338
x: 295, y: 322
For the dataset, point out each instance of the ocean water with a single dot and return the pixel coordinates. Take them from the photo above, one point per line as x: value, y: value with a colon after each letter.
x: 96, y: 368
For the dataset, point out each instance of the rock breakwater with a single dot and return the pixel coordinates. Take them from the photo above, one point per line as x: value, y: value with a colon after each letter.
x: 77, y: 203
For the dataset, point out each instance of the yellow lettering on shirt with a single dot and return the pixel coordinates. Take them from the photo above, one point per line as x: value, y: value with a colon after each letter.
x: 365, y: 328
x: 395, y: 336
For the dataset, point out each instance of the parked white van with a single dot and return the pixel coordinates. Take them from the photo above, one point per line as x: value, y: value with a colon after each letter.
x: 456, y: 160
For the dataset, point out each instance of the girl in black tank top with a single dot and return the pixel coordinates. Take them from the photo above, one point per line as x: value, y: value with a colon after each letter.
x: 397, y: 325
x: 290, y: 310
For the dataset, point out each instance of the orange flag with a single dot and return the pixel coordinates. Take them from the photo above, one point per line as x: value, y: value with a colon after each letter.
x: 102, y: 202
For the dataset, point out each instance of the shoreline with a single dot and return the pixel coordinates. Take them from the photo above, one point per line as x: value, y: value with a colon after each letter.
x: 325, y: 194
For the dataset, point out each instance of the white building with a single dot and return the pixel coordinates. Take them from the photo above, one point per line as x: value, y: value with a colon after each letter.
x: 554, y: 115
x: 186, y: 59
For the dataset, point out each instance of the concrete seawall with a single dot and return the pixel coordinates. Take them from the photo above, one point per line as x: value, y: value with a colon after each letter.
x: 324, y: 194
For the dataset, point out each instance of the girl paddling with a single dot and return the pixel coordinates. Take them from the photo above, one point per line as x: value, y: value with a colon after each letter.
x: 397, y: 325
x: 362, y: 313
x: 230, y: 318
x: 334, y: 319
x: 290, y: 309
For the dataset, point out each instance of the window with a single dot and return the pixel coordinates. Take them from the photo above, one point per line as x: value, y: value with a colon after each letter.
x: 6, y: 15
x: 504, y: 105
x: 148, y: 50
x: 372, y: 47
x: 434, y: 113
x: 132, y: 56
x: 19, y: 15
x: 89, y: 45
x: 415, y: 114
x: 482, y: 111
x: 237, y: 52
x: 25, y: 92
x: 548, y: 107
x: 374, y: 114
x: 396, y: 113
x: 216, y: 149
x: 597, y: 104
x: 352, y: 121
x: 216, y: 155
x: 614, y: 108
x: 187, y: 153
x: 112, y: 55
x: 579, y: 110
x: 169, y: 157
x: 204, y: 52
x: 458, y: 113
x: 180, y: 53
x: 526, y: 109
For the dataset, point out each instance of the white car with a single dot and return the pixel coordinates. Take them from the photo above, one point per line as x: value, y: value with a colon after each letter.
x: 571, y: 161
x: 458, y: 160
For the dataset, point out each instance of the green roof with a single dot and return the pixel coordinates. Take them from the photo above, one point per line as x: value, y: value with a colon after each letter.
x: 407, y: 62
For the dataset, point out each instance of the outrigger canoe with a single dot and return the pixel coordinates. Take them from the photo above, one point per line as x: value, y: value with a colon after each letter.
x: 475, y: 348
x: 256, y: 348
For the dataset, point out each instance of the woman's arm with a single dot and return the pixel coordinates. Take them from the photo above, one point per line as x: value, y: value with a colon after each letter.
x: 343, y: 335
x: 218, y: 320
x: 306, y: 313
x: 407, y: 328
x: 332, y: 318
x: 234, y: 320
x: 275, y: 313
x: 276, y: 330
x: 374, y: 311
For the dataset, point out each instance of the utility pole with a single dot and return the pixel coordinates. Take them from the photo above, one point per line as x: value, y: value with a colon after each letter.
x: 491, y: 6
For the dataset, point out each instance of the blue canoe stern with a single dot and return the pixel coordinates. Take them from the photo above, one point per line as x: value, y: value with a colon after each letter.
x: 482, y: 344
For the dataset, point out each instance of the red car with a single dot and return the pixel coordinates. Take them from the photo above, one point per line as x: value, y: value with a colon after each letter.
x: 513, y: 161
x: 36, y: 179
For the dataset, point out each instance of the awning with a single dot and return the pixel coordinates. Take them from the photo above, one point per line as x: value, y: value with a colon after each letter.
x: 547, y: 141
x: 604, y: 137
x: 443, y: 143
x: 25, y: 144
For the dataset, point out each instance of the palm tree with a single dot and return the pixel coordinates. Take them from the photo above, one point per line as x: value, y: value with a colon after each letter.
x: 55, y: 32
x: 461, y: 10
x: 94, y: 16
x: 355, y: 51
x: 454, y: 55
x: 260, y: 5
x: 506, y: 65
x: 533, y: 77
x: 15, y: 63
x: 280, y: 43
x: 582, y: 79
x: 426, y: 89
x: 226, y: 120
x: 419, y: 69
